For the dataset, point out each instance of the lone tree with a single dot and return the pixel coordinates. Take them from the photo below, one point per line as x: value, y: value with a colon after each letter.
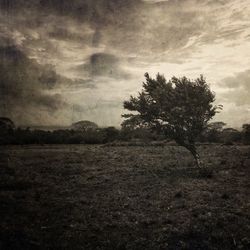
x: 180, y: 108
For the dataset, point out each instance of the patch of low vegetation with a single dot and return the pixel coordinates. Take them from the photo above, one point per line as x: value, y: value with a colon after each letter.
x: 95, y: 197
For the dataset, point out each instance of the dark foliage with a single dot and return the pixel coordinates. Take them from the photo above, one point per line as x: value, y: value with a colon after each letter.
x: 110, y: 134
x: 246, y: 134
x: 28, y: 136
x: 179, y: 108
x: 214, y: 133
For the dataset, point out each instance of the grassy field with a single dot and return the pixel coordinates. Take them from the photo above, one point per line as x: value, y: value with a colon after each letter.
x: 103, y: 197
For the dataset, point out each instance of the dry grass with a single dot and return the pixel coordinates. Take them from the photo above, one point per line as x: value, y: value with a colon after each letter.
x: 101, y: 197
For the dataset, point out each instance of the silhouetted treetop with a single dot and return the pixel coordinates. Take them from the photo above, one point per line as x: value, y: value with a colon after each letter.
x: 84, y: 125
x: 6, y: 123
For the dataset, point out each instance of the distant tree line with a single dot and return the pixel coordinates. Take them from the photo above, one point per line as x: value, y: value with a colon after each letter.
x: 84, y: 132
x: 214, y: 133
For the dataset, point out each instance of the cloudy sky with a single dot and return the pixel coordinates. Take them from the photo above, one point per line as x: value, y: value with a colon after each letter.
x: 63, y: 61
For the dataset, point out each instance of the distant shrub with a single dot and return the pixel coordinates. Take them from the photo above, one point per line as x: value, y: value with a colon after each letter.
x: 84, y: 126
x: 144, y: 134
x: 133, y: 136
x: 75, y: 139
x: 110, y: 134
x: 93, y: 137
x: 229, y: 136
x: 212, y: 133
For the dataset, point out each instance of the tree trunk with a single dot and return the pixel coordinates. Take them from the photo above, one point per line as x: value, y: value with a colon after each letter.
x: 195, y: 154
x: 197, y: 160
x: 190, y: 146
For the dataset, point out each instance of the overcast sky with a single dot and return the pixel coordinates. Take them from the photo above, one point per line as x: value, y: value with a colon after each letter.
x: 63, y: 61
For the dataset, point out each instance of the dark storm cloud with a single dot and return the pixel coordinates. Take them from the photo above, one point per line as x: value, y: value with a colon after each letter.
x: 22, y: 82
x: 147, y: 28
x: 25, y: 85
x: 63, y: 33
x: 78, y: 83
x: 111, y: 43
x: 103, y: 65
x: 97, y: 12
x: 237, y: 88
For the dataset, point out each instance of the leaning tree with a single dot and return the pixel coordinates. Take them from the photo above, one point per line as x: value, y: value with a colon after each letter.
x: 180, y: 108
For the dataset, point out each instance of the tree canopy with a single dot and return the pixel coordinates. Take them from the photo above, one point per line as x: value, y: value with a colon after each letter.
x: 84, y: 126
x: 180, y: 107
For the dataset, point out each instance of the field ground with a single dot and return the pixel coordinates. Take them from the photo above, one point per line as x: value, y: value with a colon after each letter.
x: 103, y: 197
